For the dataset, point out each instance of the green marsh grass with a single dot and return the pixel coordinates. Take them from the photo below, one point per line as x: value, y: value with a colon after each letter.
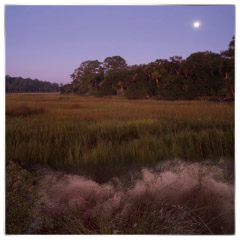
x: 82, y: 133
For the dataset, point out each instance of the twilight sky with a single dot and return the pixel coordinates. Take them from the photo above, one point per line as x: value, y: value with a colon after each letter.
x: 49, y: 42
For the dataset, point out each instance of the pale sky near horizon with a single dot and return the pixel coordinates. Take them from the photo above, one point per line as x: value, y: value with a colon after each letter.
x: 49, y: 42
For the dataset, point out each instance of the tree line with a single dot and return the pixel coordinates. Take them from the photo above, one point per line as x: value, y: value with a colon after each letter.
x: 19, y: 84
x: 202, y: 74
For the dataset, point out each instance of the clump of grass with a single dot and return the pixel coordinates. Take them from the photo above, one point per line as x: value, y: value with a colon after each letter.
x: 76, y: 106
x: 174, y: 197
x: 146, y: 218
x: 23, y: 111
x: 21, y: 198
x: 88, y: 117
x: 152, y: 217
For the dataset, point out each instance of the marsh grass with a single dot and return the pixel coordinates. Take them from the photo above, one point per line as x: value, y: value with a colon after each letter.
x: 103, y: 139
x: 147, y: 217
x: 113, y: 138
x: 21, y: 197
x: 23, y: 111
x: 174, y: 197
x: 91, y: 134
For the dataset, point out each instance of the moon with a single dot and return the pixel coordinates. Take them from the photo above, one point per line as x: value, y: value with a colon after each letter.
x: 196, y: 24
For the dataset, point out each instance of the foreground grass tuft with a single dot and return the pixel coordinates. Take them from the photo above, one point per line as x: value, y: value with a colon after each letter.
x: 21, y: 197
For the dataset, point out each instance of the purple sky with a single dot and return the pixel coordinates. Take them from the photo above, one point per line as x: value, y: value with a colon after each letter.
x: 49, y: 42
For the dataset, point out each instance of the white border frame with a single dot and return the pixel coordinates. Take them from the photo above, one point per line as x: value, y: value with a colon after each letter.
x: 111, y: 2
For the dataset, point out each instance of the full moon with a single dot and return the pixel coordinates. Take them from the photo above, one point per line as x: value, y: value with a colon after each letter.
x: 196, y: 24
